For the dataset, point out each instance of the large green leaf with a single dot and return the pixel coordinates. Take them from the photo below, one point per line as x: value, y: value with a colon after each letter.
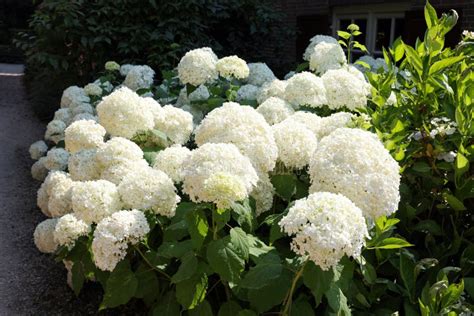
x: 197, y: 227
x: 191, y: 292
x: 268, y: 269
x: 240, y: 241
x: 337, y: 301
x: 444, y: 63
x: 203, y: 309
x: 167, y: 306
x: 148, y: 284
x: 175, y: 249
x: 229, y: 308
x: 225, y: 259
x: 121, y: 286
x: 407, y: 272
x: 430, y: 15
x: 317, y: 280
x: 285, y: 185
x: 272, y: 294
x: 77, y: 277
x: 186, y: 270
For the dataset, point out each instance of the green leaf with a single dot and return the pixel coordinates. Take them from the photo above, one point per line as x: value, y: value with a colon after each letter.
x: 244, y: 215
x: 285, y: 185
x: 454, y: 202
x: 301, y: 307
x: 344, y: 35
x: 469, y: 286
x: 246, y: 312
x: 198, y: 227
x: 391, y: 243
x: 175, y: 249
x: 190, y: 293
x: 186, y: 270
x: 167, y: 306
x: 422, y: 167
x: 272, y: 294
x: 225, y: 259
x: 429, y: 226
x: 121, y: 286
x: 398, y: 49
x: 462, y: 164
x: 229, y: 308
x: 430, y: 15
x: 301, y: 67
x: 414, y: 58
x: 444, y: 63
x: 268, y: 269
x: 407, y: 272
x: 77, y: 277
x: 239, y: 239
x: 317, y: 280
x: 203, y: 309
x: 148, y: 284
x: 337, y: 300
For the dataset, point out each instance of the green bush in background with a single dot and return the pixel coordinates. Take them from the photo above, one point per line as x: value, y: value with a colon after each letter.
x: 69, y: 41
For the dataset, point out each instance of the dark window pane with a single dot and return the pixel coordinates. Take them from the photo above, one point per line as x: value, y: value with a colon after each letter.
x: 344, y: 24
x: 382, y: 36
x: 399, y: 28
x: 362, y: 23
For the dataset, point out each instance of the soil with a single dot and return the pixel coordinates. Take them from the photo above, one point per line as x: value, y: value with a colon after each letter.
x: 31, y: 283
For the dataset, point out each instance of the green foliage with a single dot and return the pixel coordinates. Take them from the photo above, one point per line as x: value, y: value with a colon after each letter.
x: 347, y: 40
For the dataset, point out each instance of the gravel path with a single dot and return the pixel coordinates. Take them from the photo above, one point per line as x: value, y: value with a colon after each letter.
x: 31, y: 283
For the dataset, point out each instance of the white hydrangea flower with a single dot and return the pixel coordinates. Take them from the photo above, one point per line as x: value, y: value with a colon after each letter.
x: 59, y: 189
x: 263, y: 194
x: 153, y: 106
x: 73, y: 96
x: 149, y: 189
x: 326, y: 56
x: 392, y: 99
x: 374, y: 64
x: 82, y: 108
x: 117, y: 150
x: 55, y: 131
x: 85, y: 116
x: 105, y: 86
x: 113, y: 234
x: 343, y: 88
x: 64, y: 114
x: 112, y: 66
x: 43, y: 236
x: 125, y: 69
x: 38, y: 169
x: 117, y: 171
x: 56, y: 159
x: 275, y: 110
x: 82, y: 165
x: 247, y: 92
x: 84, y: 134
x: 360, y: 75
x: 244, y: 127
x: 93, y: 89
x: 330, y: 123
x: 325, y: 227
x: 201, y: 93
x: 447, y: 156
x: 310, y: 120
x: 355, y: 163
x: 315, y: 41
x: 198, y: 66
x: 443, y: 126
x: 176, y: 123
x: 38, y: 149
x: 218, y: 173
x: 275, y: 88
x: 171, y: 160
x: 296, y: 143
x: 68, y: 229
x: 42, y: 198
x: 122, y: 115
x: 259, y: 74
x: 139, y: 77
x: 305, y: 88
x: 94, y: 200
x: 232, y: 67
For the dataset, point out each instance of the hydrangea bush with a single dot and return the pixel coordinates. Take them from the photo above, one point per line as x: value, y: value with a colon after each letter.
x: 225, y: 190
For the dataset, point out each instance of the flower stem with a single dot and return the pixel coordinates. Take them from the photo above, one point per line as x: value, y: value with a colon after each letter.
x: 149, y: 263
x: 289, y: 298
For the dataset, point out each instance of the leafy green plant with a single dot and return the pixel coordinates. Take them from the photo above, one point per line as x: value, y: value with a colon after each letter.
x: 347, y: 40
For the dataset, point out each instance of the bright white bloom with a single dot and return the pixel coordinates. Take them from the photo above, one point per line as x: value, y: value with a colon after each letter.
x: 44, y: 236
x: 112, y: 66
x: 113, y: 234
x: 259, y: 74
x: 117, y: 171
x: 355, y: 163
x: 171, y: 160
x: 56, y: 159
x: 325, y: 227
x: 442, y: 126
x: 149, y: 189
x: 330, y: 123
x: 73, y: 96
x: 55, y: 131
x: 244, y: 127
x: 326, y: 56
x: 310, y: 120
x: 469, y: 35
x: 38, y: 169
x: 68, y: 229
x: 296, y: 143
x: 85, y: 116
x: 359, y: 75
x: 247, y: 92
x: 93, y: 89
x: 275, y: 88
x: 177, y: 124
x: 139, y: 77
x: 343, y: 88
x: 82, y: 108
x: 305, y: 88
x: 125, y: 69
x: 83, y: 166
x: 448, y: 156
x: 232, y: 67
x: 198, y: 66
x: 315, y: 41
x: 64, y: 115
x: 105, y: 86
x: 42, y: 198
x: 117, y: 150
x: 392, y: 99
x: 263, y: 194
x: 38, y: 149
x: 121, y: 114
x: 218, y: 173
x: 153, y: 106
x: 94, y: 200
x: 201, y: 93
x: 83, y: 135
x: 275, y: 110
x: 59, y: 189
